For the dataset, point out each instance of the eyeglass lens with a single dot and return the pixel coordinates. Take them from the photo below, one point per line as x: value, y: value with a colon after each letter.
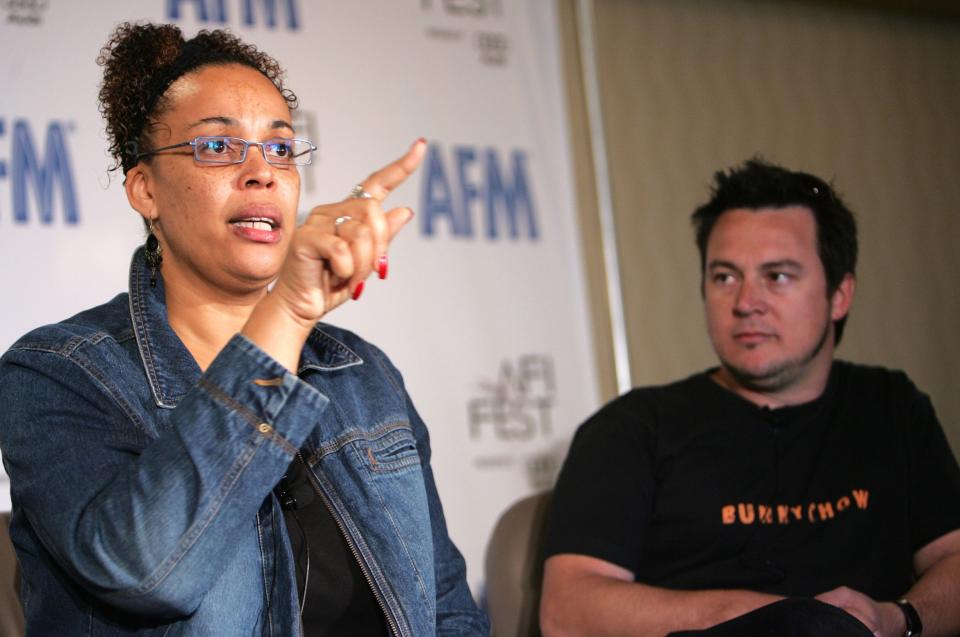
x: 233, y: 150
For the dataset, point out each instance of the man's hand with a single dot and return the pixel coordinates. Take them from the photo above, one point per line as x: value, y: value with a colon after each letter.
x: 883, y: 619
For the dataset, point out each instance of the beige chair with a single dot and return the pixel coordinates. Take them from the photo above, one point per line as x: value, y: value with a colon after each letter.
x: 514, y: 571
x: 11, y: 616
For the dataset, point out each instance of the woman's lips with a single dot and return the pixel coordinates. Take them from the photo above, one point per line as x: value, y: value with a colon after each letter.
x: 255, y: 233
x: 259, y: 223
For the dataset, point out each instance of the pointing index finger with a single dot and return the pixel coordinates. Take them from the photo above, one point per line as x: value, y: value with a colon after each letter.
x: 384, y: 181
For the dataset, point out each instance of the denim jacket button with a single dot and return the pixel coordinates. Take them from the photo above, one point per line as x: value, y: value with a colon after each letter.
x: 264, y: 428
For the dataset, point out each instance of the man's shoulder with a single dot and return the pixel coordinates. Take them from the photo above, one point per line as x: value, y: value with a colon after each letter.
x: 865, y: 381
x: 677, y: 393
x: 690, y: 383
x: 651, y: 405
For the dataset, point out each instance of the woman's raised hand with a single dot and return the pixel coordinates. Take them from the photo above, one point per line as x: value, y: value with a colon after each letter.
x: 350, y: 238
x: 330, y: 257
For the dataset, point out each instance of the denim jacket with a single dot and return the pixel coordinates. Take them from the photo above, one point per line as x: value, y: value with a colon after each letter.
x: 142, y: 487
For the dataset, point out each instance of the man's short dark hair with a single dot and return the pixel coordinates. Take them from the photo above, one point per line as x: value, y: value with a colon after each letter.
x: 759, y: 184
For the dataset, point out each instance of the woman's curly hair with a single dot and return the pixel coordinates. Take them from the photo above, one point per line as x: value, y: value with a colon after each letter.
x: 141, y: 61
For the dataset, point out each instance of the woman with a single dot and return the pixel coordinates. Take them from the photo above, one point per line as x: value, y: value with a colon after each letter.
x: 199, y: 456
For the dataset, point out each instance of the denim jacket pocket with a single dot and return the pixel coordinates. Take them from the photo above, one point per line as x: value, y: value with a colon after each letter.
x: 393, y: 452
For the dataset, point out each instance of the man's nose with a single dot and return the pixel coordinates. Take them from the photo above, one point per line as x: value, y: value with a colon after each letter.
x: 751, y: 298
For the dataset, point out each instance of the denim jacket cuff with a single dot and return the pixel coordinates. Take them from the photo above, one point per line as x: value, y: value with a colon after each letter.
x: 249, y: 381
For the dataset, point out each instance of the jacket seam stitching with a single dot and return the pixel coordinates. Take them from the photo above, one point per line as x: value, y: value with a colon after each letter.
x: 252, y: 419
x: 114, y: 393
x: 138, y: 318
x: 341, y: 348
x: 94, y: 373
x: 342, y: 441
x: 389, y: 372
x: 403, y: 542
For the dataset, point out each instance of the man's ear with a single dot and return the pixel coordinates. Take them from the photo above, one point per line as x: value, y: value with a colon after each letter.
x: 139, y: 187
x: 842, y: 297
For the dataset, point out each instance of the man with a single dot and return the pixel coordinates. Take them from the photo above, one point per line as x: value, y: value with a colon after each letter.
x: 728, y: 500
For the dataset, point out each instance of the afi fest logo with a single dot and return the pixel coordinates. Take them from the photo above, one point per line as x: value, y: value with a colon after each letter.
x: 449, y: 20
x: 37, y: 165
x: 516, y: 409
x: 25, y: 12
x: 518, y: 405
x: 251, y: 13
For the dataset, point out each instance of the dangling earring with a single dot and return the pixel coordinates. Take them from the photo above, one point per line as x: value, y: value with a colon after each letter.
x: 154, y: 253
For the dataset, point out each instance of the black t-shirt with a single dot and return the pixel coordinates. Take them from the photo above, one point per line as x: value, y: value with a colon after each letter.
x: 339, y: 600
x: 690, y: 486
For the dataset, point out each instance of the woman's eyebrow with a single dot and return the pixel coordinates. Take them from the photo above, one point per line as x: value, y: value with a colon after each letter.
x: 216, y: 119
x: 229, y: 121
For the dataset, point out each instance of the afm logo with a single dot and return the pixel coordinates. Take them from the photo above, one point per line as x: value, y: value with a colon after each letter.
x: 40, y: 168
x: 468, y: 178
x: 252, y: 12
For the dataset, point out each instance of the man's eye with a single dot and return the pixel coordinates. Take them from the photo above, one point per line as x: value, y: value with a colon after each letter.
x: 779, y: 277
x: 722, y: 278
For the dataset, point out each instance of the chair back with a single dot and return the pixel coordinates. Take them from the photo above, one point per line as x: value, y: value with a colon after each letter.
x: 11, y: 615
x: 514, y: 568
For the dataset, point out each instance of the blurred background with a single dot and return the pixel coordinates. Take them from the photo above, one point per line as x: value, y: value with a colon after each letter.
x: 552, y: 263
x: 862, y: 93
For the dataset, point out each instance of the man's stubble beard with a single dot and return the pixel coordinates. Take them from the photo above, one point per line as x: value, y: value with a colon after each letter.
x: 781, y: 375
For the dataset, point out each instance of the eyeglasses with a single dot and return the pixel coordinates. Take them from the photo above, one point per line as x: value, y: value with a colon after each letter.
x: 279, y: 151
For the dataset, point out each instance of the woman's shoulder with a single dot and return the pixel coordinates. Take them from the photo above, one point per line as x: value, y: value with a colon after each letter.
x: 109, y: 321
x: 330, y: 346
x: 327, y: 337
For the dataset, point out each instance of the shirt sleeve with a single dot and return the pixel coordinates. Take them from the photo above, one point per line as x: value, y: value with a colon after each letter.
x: 934, y: 475
x: 602, y: 503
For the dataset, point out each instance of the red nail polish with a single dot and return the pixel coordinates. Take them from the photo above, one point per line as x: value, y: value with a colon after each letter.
x: 422, y: 140
x: 358, y: 291
x: 382, y: 267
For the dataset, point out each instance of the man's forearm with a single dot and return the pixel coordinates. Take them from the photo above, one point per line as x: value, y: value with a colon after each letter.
x: 583, y: 603
x: 936, y: 596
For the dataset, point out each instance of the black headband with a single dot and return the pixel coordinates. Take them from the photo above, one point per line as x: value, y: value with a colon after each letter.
x: 192, y: 56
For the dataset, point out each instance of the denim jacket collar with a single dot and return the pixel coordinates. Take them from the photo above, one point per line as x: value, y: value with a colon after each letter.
x: 170, y: 368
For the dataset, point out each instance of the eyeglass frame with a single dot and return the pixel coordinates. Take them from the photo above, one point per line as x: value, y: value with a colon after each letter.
x: 243, y: 156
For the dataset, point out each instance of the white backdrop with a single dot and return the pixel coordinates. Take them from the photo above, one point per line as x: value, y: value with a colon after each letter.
x: 484, y: 309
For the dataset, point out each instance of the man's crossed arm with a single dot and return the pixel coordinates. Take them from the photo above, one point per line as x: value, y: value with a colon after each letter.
x: 587, y: 596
